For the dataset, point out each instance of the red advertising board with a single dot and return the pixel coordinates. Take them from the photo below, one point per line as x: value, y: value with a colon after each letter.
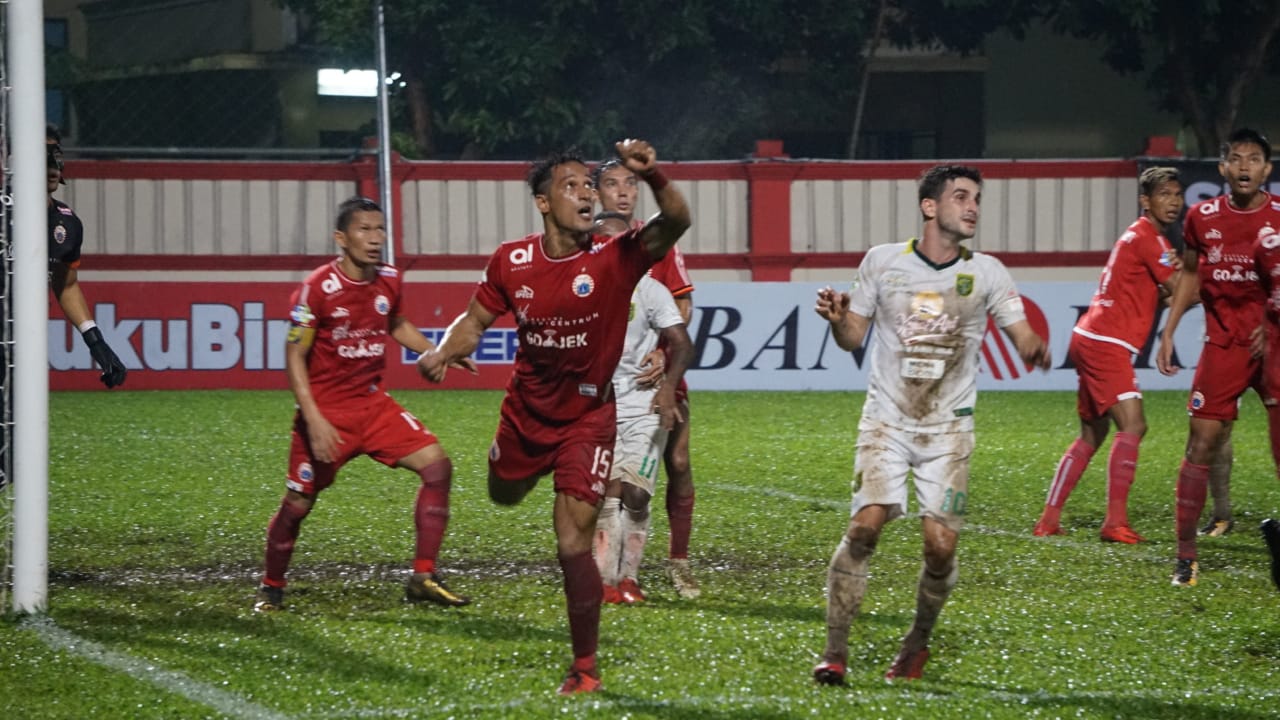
x: 183, y: 335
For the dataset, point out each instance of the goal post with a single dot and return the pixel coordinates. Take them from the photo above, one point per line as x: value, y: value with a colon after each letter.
x: 29, y: 354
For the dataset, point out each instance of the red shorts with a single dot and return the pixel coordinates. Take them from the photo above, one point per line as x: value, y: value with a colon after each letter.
x: 1105, y: 373
x: 579, y: 452
x: 1222, y: 376
x: 381, y: 429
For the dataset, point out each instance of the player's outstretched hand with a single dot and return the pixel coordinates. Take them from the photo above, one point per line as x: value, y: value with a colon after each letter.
x: 431, y: 366
x: 1039, y: 355
x: 637, y: 155
x: 831, y: 306
x: 113, y: 371
x: 467, y: 364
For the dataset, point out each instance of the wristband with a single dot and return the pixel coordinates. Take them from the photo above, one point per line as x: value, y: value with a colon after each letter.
x: 656, y: 180
x: 86, y: 326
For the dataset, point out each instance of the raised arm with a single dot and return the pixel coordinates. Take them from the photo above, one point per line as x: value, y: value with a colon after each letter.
x: 849, y: 329
x: 459, y: 341
x: 662, y: 231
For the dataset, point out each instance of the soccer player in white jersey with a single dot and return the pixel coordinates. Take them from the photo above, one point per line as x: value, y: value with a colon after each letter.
x: 642, y: 390
x: 930, y: 299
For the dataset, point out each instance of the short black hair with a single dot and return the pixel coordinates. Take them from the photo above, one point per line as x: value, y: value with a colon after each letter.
x: 350, y: 207
x: 539, y: 177
x: 933, y: 180
x: 1246, y: 135
x: 605, y: 166
x: 1154, y: 177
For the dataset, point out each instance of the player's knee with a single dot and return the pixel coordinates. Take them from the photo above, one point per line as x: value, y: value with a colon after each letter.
x: 504, y: 492
x: 860, y: 542
x: 438, y: 474
x: 297, y: 504
x: 635, y: 501
x: 676, y: 460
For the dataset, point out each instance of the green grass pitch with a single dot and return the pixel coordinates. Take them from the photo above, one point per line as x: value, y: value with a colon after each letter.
x: 159, y: 501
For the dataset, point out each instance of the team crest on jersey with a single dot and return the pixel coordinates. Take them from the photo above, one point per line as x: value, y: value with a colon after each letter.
x: 305, y: 472
x: 59, y: 234
x: 583, y: 285
x: 1168, y: 257
x: 382, y: 304
x: 302, y: 316
x: 964, y: 284
x: 1197, y: 400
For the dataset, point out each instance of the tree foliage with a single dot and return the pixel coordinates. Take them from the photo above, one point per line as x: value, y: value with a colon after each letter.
x: 701, y: 78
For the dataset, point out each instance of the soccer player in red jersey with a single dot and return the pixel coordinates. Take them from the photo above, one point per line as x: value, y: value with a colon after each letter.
x: 571, y: 295
x: 343, y: 315
x: 1218, y: 264
x: 616, y: 187
x: 1142, y: 269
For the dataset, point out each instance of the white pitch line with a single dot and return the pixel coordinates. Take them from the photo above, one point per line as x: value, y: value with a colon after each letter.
x: 169, y: 680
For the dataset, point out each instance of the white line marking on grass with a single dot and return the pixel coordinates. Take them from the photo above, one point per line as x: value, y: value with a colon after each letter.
x: 171, y: 681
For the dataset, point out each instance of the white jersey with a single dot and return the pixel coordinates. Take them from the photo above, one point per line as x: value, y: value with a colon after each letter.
x: 652, y: 310
x: 929, y: 321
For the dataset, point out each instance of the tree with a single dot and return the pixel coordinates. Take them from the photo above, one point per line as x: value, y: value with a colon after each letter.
x: 1200, y: 60
x: 700, y: 78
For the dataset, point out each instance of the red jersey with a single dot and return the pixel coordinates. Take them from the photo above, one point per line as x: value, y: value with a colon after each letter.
x: 571, y: 314
x: 670, y: 271
x: 1124, y: 306
x: 1266, y: 257
x: 1224, y: 238
x: 351, y: 320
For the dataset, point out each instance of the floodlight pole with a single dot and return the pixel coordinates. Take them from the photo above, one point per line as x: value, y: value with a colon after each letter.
x: 25, y: 36
x: 384, y: 137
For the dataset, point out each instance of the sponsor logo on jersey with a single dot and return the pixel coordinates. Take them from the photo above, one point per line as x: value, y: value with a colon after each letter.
x: 331, y: 284
x: 65, y: 210
x: 524, y: 293
x: 587, y: 390
x: 1197, y: 400
x: 382, y: 304
x: 1213, y: 255
x: 631, y: 313
x: 597, y: 487
x: 521, y: 255
x: 1213, y: 234
x: 59, y: 233
x: 340, y: 312
x: 926, y: 321
x: 549, y: 339
x: 964, y: 284
x: 302, y: 316
x: 1168, y: 257
x: 1235, y: 274
x: 387, y: 271
x: 583, y: 285
x: 362, y: 350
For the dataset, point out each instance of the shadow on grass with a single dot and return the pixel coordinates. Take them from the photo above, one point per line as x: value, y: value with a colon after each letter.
x: 1121, y: 703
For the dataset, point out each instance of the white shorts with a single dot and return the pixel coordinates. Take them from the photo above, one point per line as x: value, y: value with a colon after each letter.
x: 939, y: 462
x: 638, y: 451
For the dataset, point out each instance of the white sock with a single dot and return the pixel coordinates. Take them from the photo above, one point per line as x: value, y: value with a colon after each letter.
x: 608, y: 541
x: 635, y: 533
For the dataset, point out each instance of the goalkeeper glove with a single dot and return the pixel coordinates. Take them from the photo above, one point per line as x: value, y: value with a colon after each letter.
x: 113, y: 371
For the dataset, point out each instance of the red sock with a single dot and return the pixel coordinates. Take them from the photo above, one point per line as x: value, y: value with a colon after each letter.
x: 1273, y: 431
x: 1070, y: 468
x: 1193, y: 486
x: 1121, y: 466
x: 680, y: 518
x: 431, y: 514
x: 282, y: 534
x: 583, y: 592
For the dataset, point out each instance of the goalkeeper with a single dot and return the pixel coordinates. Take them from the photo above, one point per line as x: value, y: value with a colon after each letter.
x: 66, y: 234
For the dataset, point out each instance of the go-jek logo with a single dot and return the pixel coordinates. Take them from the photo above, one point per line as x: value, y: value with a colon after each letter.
x: 999, y: 356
